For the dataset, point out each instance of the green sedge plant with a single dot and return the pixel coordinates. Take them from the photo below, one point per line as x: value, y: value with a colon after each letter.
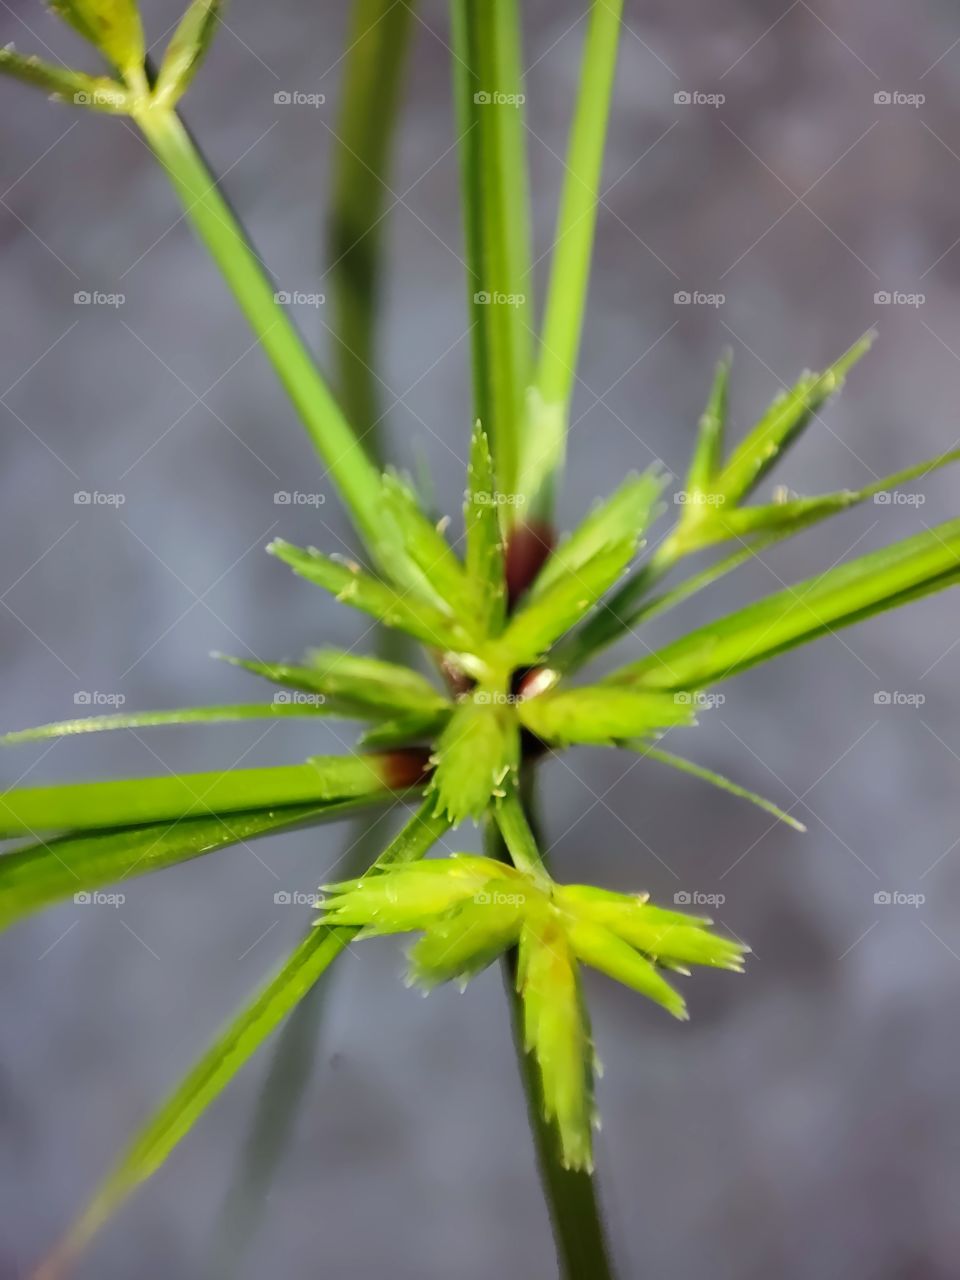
x: 507, y: 612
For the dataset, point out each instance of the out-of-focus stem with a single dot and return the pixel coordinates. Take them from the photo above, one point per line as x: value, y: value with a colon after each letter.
x: 366, y: 125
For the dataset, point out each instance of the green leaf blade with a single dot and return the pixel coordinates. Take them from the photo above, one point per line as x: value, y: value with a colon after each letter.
x: 484, y: 555
x: 548, y: 616
x: 151, y: 719
x: 603, y: 715
x: 64, y: 867
x: 350, y: 585
x: 626, y: 514
x: 843, y: 595
x: 84, y: 806
x: 187, y: 48
x: 234, y: 1047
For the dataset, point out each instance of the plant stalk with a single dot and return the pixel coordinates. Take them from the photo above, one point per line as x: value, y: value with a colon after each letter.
x: 369, y: 110
x: 549, y: 405
x: 571, y: 1196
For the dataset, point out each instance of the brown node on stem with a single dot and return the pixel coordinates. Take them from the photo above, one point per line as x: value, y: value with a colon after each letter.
x: 528, y: 548
x: 405, y: 767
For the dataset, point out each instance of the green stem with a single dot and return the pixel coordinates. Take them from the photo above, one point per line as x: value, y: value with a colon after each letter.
x: 219, y: 229
x: 571, y: 1196
x: 488, y: 91
x: 369, y: 110
x: 570, y: 264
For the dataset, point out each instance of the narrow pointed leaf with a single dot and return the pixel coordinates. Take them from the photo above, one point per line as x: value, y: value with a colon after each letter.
x: 602, y: 949
x: 39, y: 875
x: 428, y: 548
x: 350, y: 585
x: 476, y: 757
x: 104, y: 805
x: 716, y: 780
x: 541, y: 621
x: 626, y: 514
x: 708, y: 453
x: 151, y: 719
x: 458, y: 946
x: 782, y: 424
x: 97, y: 92
x: 791, y: 515
x: 187, y: 48
x: 404, y: 730
x: 370, y: 685
x: 846, y: 594
x: 485, y: 564
x: 112, y: 25
x: 236, y: 1044
x: 603, y: 714
x: 580, y: 201
x: 557, y: 1032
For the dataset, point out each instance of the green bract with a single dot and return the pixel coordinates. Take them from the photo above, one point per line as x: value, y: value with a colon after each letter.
x: 505, y: 611
x: 470, y: 910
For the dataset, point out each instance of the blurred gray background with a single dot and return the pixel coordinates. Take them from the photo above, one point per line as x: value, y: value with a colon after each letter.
x: 804, y: 1123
